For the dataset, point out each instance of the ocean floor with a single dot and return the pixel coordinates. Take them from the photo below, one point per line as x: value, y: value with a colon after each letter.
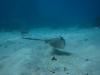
x: 20, y: 56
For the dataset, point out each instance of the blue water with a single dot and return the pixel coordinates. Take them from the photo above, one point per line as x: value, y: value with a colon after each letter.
x: 16, y: 14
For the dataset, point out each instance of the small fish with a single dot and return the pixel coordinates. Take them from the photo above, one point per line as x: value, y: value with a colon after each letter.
x: 57, y: 43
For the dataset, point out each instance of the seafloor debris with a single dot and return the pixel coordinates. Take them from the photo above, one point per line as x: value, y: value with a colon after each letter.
x: 52, y: 71
x: 54, y: 58
x: 86, y: 39
x: 65, y: 69
x: 86, y: 59
x: 86, y: 74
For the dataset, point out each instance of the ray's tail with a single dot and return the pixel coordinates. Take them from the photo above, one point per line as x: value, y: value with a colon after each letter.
x: 33, y: 39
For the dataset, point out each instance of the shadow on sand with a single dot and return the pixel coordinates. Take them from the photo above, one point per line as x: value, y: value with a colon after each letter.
x: 60, y: 53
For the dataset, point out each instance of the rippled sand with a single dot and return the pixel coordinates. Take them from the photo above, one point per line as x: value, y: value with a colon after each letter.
x: 28, y: 57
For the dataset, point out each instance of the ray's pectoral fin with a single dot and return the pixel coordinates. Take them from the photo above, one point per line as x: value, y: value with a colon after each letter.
x: 58, y: 43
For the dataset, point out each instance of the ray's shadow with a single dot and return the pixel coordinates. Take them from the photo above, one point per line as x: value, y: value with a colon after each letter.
x: 60, y: 53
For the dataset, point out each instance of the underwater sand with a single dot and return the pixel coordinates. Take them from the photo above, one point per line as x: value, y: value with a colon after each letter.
x: 28, y: 57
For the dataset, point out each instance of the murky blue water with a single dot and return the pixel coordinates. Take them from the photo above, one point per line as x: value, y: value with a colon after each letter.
x: 16, y: 14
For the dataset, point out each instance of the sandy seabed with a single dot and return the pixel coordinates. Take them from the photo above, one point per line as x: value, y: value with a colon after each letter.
x: 28, y: 57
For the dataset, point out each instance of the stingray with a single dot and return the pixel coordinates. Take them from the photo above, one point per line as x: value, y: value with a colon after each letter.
x: 56, y: 43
